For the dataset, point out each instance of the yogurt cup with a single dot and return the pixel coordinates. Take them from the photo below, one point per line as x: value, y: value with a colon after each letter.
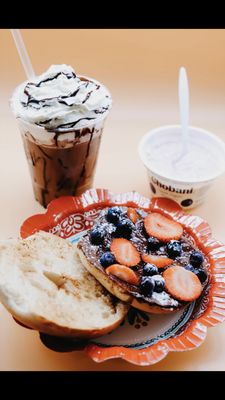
x: 183, y: 179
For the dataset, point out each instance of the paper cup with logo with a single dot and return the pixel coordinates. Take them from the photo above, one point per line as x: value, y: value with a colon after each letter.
x: 189, y: 193
x: 61, y: 163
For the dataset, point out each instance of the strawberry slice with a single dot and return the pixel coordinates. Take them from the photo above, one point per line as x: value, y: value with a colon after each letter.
x: 124, y: 273
x: 133, y: 215
x: 125, y: 252
x: 162, y: 227
x: 159, y: 261
x: 182, y: 284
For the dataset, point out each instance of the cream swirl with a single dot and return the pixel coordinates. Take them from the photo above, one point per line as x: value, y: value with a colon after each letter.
x: 60, y: 100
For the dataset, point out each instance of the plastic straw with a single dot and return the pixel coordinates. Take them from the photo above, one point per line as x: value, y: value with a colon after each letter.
x: 23, y: 53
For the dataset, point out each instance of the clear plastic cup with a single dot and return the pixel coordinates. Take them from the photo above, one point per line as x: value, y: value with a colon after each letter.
x: 188, y: 192
x: 61, y: 163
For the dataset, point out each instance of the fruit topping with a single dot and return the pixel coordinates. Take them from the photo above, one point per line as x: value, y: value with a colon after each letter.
x: 153, y: 244
x: 97, y: 235
x: 159, y: 284
x: 125, y: 252
x: 133, y: 215
x: 182, y: 284
x: 124, y: 273
x: 196, y: 259
x: 107, y: 259
x: 150, y: 269
x: 174, y: 249
x: 147, y: 286
x: 124, y: 228
x: 162, y: 228
x: 159, y: 261
x: 199, y: 272
x: 113, y: 214
x: 190, y: 267
x: 149, y: 252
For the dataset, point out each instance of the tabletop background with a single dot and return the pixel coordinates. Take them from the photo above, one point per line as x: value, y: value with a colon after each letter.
x: 140, y: 67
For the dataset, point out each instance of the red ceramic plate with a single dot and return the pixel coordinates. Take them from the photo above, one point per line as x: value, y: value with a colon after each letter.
x: 142, y: 339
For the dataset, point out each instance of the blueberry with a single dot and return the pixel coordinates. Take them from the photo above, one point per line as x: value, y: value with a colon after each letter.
x: 147, y: 286
x: 107, y: 259
x: 124, y: 228
x: 113, y: 214
x: 159, y: 285
x: 97, y: 235
x: 150, y: 269
x: 190, y: 267
x: 196, y: 258
x: 174, y: 249
x: 153, y: 243
x: 201, y: 274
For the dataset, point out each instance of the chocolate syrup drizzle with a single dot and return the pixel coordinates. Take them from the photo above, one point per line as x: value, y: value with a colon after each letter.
x: 35, y: 160
x: 43, y: 152
x: 66, y: 100
x: 70, y: 125
x: 82, y: 174
x: 44, y: 191
x: 61, y: 164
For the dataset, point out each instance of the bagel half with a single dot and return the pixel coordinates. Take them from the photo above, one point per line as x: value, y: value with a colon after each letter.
x: 120, y: 289
x: 44, y: 285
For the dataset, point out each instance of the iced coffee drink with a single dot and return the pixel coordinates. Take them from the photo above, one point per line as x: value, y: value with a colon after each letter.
x: 61, y: 118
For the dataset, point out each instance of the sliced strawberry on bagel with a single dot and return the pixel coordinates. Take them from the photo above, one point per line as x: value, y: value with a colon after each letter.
x: 124, y: 273
x: 162, y: 228
x: 124, y: 252
x: 182, y: 284
x: 159, y: 261
x: 133, y: 215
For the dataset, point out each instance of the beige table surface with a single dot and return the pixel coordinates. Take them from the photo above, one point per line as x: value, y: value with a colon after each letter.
x: 140, y: 68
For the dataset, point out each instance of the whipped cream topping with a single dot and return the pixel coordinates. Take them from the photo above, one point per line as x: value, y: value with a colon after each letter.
x: 60, y: 100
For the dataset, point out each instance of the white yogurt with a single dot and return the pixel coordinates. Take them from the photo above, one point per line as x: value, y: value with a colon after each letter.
x: 184, y: 179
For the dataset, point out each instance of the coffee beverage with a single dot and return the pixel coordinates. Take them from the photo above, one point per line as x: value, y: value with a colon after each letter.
x: 61, y: 118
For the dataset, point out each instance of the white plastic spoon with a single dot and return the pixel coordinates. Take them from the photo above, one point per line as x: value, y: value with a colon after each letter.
x: 183, y: 92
